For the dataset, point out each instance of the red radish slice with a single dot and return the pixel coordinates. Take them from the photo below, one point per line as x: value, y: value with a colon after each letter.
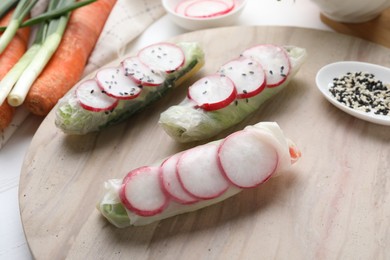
x: 273, y: 59
x: 92, y: 98
x: 230, y: 3
x: 200, y: 174
x: 206, y: 8
x: 212, y: 92
x: 162, y: 56
x: 141, y: 73
x: 247, y: 75
x: 171, y: 183
x: 141, y: 192
x: 116, y: 84
x: 247, y: 159
x: 182, y: 5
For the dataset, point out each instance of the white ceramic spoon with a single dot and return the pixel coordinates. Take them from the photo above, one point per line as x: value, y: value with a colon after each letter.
x: 327, y: 73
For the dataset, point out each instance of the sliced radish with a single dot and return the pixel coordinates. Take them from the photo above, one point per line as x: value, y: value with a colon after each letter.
x: 141, y: 192
x: 230, y: 3
x: 200, y: 174
x: 247, y: 159
x: 116, y: 84
x: 171, y: 183
x: 273, y: 59
x: 141, y: 73
x: 247, y: 75
x: 162, y: 56
x: 212, y: 92
x: 206, y: 8
x: 92, y: 98
x: 182, y: 5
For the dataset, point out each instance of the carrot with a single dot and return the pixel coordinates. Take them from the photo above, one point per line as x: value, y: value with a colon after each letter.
x: 66, y: 66
x: 8, y: 59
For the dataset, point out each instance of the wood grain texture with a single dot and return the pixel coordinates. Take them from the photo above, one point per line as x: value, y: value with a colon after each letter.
x: 333, y: 204
x: 376, y: 30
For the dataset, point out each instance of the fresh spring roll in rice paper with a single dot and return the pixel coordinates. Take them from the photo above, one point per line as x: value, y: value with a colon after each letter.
x: 116, y: 93
x: 198, y: 177
x: 213, y: 105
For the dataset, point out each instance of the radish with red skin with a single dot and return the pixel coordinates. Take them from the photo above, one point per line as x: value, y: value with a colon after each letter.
x: 141, y: 73
x: 199, y: 172
x: 181, y: 8
x: 247, y: 75
x: 116, y: 84
x: 247, y: 159
x: 206, y: 8
x: 182, y: 5
x: 185, y: 122
x: 93, y: 98
x: 141, y: 192
x: 165, y: 57
x: 257, y: 153
x: 231, y: 3
x: 212, y: 92
x: 171, y: 183
x: 273, y: 59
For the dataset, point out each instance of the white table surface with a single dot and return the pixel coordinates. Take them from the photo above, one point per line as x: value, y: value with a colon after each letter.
x: 13, y: 244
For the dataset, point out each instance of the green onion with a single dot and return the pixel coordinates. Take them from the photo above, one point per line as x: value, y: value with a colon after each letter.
x: 13, y: 75
x: 52, y: 39
x: 6, y: 5
x: 52, y: 14
x: 21, y: 11
x: 55, y: 13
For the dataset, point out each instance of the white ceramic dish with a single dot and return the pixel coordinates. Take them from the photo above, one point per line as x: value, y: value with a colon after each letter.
x: 203, y: 23
x: 352, y: 11
x: 326, y: 75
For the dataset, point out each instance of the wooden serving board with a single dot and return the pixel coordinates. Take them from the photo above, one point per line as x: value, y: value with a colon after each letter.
x: 333, y: 204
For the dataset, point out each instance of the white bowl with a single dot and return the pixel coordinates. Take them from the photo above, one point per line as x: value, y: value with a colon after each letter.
x: 202, y: 23
x: 352, y: 11
x: 327, y: 73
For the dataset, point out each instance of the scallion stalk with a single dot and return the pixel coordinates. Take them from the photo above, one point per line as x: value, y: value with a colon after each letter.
x: 6, y: 5
x: 21, y: 11
x: 55, y: 13
x: 9, y: 80
x: 54, y: 34
x: 51, y: 14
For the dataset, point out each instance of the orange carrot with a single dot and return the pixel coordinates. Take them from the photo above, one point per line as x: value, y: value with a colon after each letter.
x: 66, y: 66
x: 14, y: 51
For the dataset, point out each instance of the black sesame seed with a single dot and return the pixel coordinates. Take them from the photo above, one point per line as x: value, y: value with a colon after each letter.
x: 361, y: 91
